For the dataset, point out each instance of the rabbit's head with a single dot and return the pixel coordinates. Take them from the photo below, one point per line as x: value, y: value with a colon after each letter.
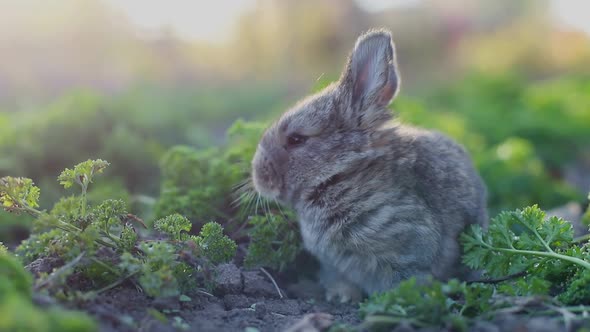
x: 313, y: 144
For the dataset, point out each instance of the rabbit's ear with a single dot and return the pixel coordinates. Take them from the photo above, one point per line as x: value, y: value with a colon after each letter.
x: 371, y: 79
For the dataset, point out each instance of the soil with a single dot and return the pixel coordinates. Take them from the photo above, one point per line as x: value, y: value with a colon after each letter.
x: 242, y: 300
x: 249, y: 301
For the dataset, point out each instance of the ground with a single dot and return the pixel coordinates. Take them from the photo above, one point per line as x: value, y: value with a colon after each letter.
x: 247, y: 300
x: 242, y: 299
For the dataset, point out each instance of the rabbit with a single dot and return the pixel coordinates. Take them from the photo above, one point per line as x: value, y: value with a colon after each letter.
x: 377, y: 201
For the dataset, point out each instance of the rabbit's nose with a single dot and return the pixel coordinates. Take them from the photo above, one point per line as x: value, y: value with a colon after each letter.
x: 268, y: 164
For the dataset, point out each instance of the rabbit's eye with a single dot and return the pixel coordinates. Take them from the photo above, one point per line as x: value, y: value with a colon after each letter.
x: 295, y: 139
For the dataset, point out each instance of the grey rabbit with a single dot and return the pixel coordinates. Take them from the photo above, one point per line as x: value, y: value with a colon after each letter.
x: 377, y: 201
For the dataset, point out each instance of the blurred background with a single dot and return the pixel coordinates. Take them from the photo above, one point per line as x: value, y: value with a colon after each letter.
x: 124, y: 80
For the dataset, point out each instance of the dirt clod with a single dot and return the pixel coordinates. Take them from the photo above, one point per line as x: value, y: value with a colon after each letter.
x: 232, y: 301
x: 228, y: 279
x: 44, y: 265
x: 257, y: 284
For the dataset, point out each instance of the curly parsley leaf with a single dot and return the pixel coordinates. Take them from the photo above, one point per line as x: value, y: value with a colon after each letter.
x: 521, y: 240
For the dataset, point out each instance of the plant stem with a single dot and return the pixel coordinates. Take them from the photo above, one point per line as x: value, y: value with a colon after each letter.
x: 105, y: 265
x: 34, y: 212
x: 545, y: 244
x: 109, y: 236
x: 116, y: 283
x: 383, y: 319
x: 60, y: 271
x: 67, y: 227
x: 105, y: 243
x: 83, y: 201
x: 574, y: 260
x: 580, y: 308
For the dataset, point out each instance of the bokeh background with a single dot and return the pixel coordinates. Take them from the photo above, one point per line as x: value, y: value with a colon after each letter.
x: 125, y: 80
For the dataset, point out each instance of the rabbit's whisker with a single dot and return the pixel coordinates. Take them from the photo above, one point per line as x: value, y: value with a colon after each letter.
x: 246, y: 207
x: 256, y: 205
x: 281, y: 210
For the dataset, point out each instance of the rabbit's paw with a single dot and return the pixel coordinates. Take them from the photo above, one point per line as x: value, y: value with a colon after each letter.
x: 343, y: 292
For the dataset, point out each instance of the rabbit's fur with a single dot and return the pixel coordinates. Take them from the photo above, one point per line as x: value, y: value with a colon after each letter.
x: 377, y: 201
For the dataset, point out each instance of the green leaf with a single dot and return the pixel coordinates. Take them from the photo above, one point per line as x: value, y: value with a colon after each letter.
x: 184, y: 298
x: 517, y: 241
x: 18, y: 193
x: 109, y: 213
x: 428, y: 303
x: 82, y: 173
x: 175, y: 226
x: 127, y: 238
x: 274, y: 242
x: 215, y: 246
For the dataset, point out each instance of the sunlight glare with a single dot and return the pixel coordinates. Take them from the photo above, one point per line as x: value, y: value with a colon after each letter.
x: 190, y: 19
x: 572, y: 13
x: 213, y: 20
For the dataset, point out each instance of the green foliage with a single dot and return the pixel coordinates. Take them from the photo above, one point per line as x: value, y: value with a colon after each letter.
x: 517, y: 176
x: 274, y: 242
x: 217, y: 247
x: 543, y: 248
x: 82, y: 174
x: 243, y: 138
x: 527, y: 252
x: 160, y: 271
x: 18, y: 193
x: 201, y: 184
x: 523, y: 240
x: 38, y: 245
x: 175, y: 226
x: 109, y: 214
x: 550, y: 114
x: 131, y: 129
x: 128, y: 238
x: 13, y: 277
x: 17, y: 312
x: 430, y: 303
x: 578, y: 290
x: 155, y: 268
x: 196, y: 184
x: 519, y: 241
x: 100, y: 242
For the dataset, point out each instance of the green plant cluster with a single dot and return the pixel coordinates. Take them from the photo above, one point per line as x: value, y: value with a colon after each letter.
x: 522, y: 254
x: 274, y: 242
x: 525, y: 241
x: 427, y: 304
x: 17, y: 311
x: 103, y: 242
x: 201, y: 184
x: 131, y: 128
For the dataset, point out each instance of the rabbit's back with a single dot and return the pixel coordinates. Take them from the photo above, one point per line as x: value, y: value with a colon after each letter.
x: 446, y: 177
x: 453, y: 191
x: 400, y: 213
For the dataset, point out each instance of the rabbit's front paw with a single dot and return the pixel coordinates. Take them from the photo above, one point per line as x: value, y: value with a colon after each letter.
x: 343, y: 292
